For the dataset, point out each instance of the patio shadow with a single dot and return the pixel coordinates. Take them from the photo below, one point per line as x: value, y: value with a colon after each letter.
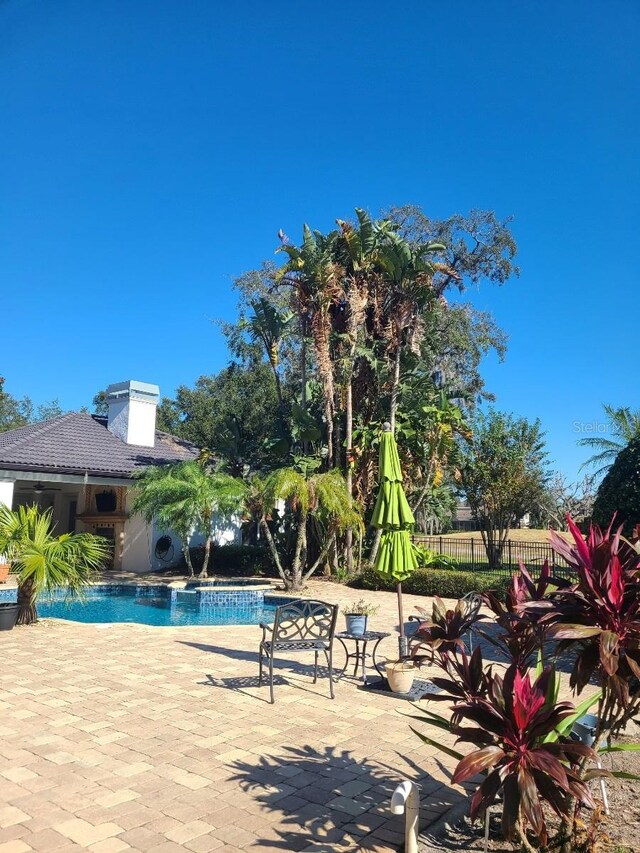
x: 328, y: 797
x: 242, y: 683
x: 291, y: 664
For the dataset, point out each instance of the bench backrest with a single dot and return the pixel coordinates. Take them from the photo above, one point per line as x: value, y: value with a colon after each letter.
x: 304, y: 620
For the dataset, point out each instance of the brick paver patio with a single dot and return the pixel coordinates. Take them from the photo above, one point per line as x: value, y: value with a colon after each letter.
x: 131, y: 737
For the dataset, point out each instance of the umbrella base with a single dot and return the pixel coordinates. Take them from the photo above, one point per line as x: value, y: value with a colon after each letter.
x: 420, y: 688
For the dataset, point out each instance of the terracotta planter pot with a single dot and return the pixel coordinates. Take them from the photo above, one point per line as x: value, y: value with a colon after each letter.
x: 4, y: 571
x: 400, y: 675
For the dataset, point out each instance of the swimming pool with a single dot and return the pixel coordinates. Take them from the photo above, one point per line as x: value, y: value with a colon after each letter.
x: 158, y: 605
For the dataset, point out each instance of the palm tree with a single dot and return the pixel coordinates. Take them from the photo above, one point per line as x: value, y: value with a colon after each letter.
x: 323, y: 497
x: 407, y: 291
x: 357, y: 252
x: 186, y: 498
x: 44, y: 562
x: 624, y: 427
x: 158, y: 498
x: 316, y: 280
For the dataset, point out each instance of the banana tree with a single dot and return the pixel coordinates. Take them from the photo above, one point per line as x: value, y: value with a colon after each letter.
x: 269, y: 325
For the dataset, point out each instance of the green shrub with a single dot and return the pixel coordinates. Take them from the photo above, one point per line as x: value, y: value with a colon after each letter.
x: 243, y: 560
x: 428, y: 558
x: 234, y: 560
x: 447, y: 583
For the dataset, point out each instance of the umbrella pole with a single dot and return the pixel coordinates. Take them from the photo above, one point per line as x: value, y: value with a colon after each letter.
x: 402, y: 640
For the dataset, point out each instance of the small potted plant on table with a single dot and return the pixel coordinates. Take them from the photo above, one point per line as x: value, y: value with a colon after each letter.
x: 356, y: 616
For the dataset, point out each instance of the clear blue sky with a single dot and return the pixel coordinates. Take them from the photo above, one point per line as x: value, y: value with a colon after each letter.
x: 151, y: 149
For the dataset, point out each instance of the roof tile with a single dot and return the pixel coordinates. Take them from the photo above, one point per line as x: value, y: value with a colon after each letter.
x: 78, y: 442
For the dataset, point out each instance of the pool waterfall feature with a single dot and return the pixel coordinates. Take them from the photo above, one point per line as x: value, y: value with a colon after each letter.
x: 214, y: 592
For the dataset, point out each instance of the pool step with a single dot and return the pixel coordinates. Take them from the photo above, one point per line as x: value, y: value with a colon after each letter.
x: 186, y: 596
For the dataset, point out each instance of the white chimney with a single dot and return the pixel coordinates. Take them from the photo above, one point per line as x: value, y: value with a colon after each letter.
x: 132, y: 412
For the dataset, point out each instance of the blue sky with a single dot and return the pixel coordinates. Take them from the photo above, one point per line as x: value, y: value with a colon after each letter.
x: 151, y: 150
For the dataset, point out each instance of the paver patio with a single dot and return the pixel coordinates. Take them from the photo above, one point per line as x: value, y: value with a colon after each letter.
x: 132, y: 737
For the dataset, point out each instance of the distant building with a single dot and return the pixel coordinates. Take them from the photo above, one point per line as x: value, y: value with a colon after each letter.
x: 464, y: 519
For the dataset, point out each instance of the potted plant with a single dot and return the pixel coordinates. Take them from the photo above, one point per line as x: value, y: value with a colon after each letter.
x: 400, y: 675
x: 356, y: 616
x: 8, y: 614
x: 4, y: 570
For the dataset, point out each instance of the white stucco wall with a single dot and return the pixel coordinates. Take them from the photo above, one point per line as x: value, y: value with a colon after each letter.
x: 136, y: 545
x: 227, y: 531
x: 6, y: 492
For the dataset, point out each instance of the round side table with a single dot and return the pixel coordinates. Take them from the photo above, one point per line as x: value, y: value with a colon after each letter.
x: 360, y: 653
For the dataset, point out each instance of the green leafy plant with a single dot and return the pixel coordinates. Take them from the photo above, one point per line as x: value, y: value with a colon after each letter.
x: 303, y: 494
x: 428, y: 558
x: 186, y: 498
x: 360, y: 608
x: 44, y: 562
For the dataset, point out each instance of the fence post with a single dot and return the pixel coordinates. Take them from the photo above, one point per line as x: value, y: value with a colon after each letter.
x: 509, y: 545
x: 473, y: 556
x: 440, y: 548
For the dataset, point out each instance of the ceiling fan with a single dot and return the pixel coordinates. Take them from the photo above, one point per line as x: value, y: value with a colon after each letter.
x: 39, y: 488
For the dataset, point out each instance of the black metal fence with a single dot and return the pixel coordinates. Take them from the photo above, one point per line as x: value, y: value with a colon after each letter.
x: 470, y: 554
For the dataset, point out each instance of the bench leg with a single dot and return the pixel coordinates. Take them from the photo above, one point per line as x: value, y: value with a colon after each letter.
x: 260, y: 654
x: 315, y: 669
x: 271, y: 677
x: 329, y: 656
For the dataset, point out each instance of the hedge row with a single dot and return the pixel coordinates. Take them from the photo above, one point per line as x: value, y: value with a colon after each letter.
x: 447, y: 583
x: 235, y: 561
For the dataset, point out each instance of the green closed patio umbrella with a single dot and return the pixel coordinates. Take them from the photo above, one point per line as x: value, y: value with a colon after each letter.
x: 396, y: 556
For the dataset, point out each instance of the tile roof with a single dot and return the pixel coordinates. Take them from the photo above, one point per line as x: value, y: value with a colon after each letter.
x: 77, y: 442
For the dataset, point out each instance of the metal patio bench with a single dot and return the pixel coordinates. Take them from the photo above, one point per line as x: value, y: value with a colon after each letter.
x: 300, y: 626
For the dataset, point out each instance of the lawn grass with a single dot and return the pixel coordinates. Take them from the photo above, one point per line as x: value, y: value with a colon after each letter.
x: 524, y: 534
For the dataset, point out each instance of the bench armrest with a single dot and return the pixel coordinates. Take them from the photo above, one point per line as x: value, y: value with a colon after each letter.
x: 266, y: 629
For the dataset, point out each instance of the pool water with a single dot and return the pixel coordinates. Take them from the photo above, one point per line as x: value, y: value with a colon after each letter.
x: 153, y: 608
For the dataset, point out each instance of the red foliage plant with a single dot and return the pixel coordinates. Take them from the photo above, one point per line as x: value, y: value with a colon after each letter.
x: 518, y: 727
x: 515, y: 725
x: 522, y: 636
x: 598, y: 616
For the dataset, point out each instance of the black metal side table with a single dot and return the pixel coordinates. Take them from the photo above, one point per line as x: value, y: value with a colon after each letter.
x: 360, y: 654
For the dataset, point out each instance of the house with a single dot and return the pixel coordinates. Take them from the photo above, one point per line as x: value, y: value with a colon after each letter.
x: 82, y: 466
x: 464, y: 518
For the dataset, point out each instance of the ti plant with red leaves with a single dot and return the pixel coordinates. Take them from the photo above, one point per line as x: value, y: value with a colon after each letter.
x: 522, y: 635
x: 520, y: 733
x: 598, y: 617
x: 443, y: 632
x: 519, y: 730
x: 515, y: 726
